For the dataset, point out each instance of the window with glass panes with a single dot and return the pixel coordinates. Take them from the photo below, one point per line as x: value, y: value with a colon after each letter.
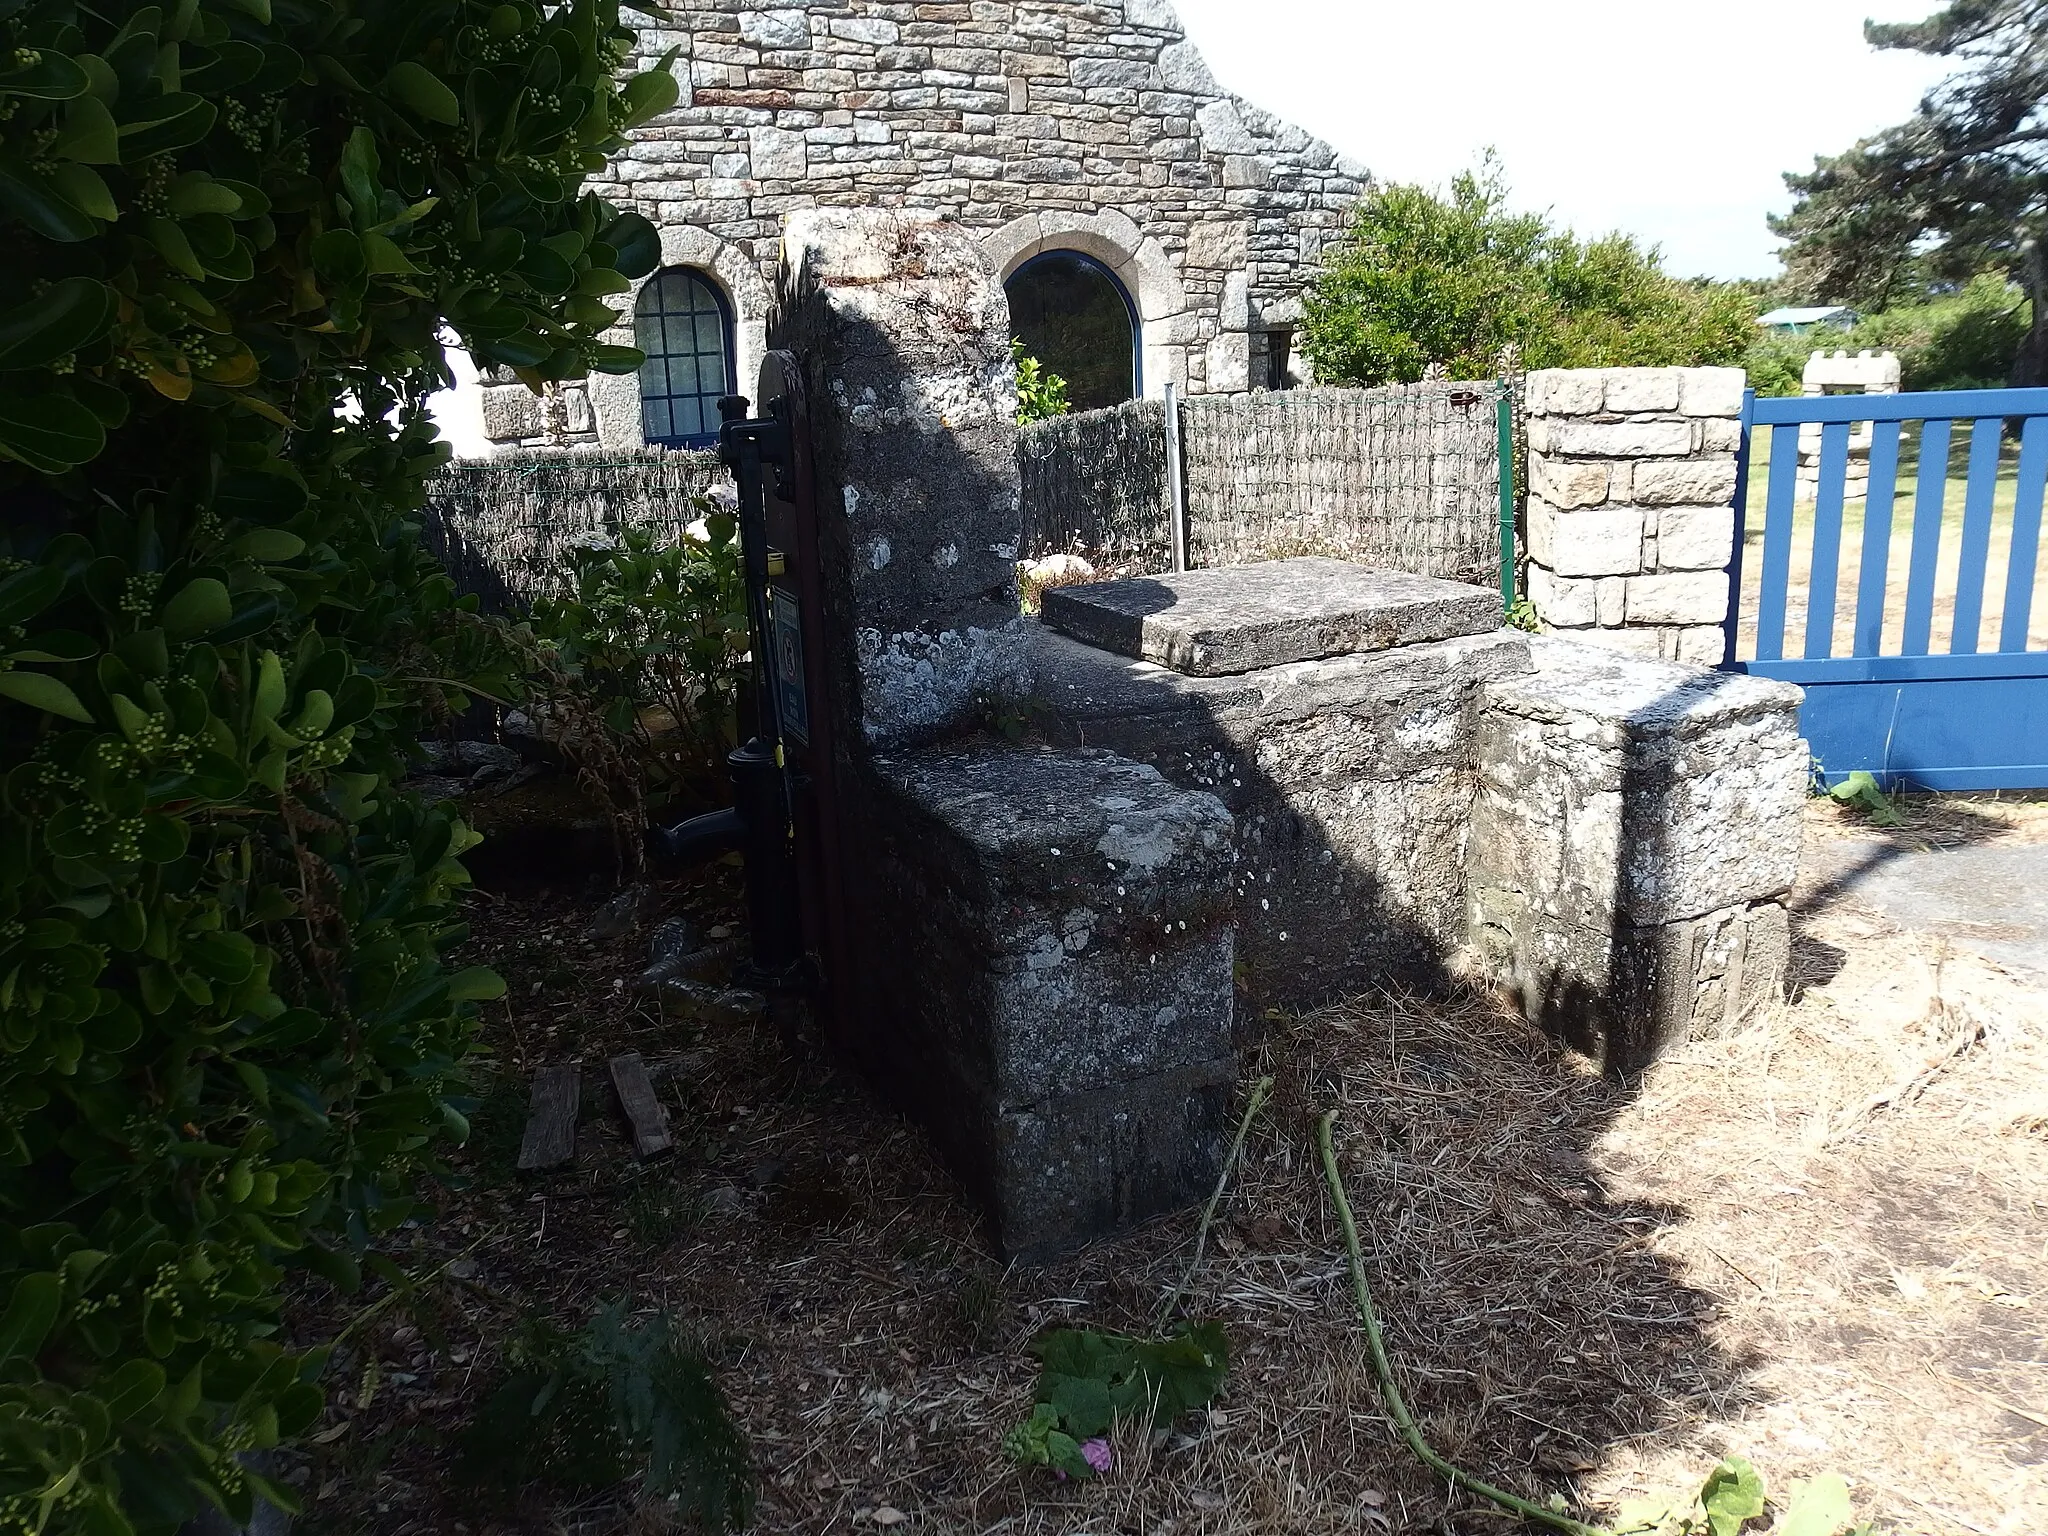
x: 680, y: 321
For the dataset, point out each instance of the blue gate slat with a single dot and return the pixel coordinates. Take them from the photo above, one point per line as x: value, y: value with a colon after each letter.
x: 1877, y: 537
x: 1822, y: 574
x: 1777, y: 566
x: 1978, y: 492
x: 2026, y: 535
x: 1927, y: 515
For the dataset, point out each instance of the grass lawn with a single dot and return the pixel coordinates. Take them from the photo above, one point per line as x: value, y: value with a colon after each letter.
x: 1899, y: 555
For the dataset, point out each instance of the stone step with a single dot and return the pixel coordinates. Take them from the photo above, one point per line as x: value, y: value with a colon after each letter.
x: 1240, y: 618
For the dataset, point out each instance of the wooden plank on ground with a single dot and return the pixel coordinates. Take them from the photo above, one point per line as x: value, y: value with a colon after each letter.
x: 550, y: 1139
x: 642, y: 1109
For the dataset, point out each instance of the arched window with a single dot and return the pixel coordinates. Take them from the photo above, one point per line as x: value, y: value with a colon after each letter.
x: 683, y: 324
x: 1074, y: 317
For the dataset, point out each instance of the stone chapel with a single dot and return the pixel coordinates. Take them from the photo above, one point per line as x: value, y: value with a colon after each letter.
x: 1148, y: 226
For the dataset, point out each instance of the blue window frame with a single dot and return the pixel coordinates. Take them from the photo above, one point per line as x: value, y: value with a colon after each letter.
x: 683, y: 324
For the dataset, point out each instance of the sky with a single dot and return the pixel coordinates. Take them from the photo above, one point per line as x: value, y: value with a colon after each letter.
x: 1669, y: 121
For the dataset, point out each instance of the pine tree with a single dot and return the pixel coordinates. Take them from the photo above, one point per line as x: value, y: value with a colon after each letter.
x: 1959, y: 188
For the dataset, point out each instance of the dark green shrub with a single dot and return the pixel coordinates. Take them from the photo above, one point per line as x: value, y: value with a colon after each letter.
x: 235, y: 231
x: 656, y: 623
x: 586, y: 1410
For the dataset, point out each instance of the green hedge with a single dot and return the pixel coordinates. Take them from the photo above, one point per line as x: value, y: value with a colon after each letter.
x: 234, y: 232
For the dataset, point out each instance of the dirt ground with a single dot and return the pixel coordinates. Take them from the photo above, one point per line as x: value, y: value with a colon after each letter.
x: 1821, y: 1243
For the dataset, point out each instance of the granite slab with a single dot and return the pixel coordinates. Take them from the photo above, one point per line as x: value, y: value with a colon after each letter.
x: 1241, y: 618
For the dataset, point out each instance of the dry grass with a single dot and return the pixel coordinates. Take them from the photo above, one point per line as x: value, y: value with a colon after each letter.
x: 1819, y: 1243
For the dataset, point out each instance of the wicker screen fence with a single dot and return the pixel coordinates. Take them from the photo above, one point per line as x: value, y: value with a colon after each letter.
x: 1406, y: 477
x: 502, y: 525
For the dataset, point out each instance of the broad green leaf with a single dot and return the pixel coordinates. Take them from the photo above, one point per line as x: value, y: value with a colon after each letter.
x: 478, y: 984
x: 82, y: 187
x: 172, y: 123
x: 35, y: 200
x: 50, y: 432
x: 57, y: 645
x: 75, y: 311
x: 423, y: 92
x: 269, y: 545
x: 638, y: 243
x: 384, y: 258
x: 172, y: 244
x: 131, y: 1387
x: 650, y: 93
x: 607, y: 358
x: 1818, y: 1507
x: 201, y: 605
x: 24, y: 594
x: 29, y: 1315
x: 338, y: 256
x: 359, y: 174
x: 1732, y: 1495
x: 52, y: 77
x: 196, y: 192
x: 1083, y: 1404
x: 90, y: 134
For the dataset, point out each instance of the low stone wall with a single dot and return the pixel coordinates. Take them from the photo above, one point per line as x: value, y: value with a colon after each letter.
x: 1630, y: 511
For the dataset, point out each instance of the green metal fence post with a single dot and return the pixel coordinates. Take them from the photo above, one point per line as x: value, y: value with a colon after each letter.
x: 1505, y: 414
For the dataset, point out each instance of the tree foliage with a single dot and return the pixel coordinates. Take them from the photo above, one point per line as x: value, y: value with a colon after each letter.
x: 1459, y: 281
x: 1960, y: 340
x: 236, y: 232
x: 1958, y: 188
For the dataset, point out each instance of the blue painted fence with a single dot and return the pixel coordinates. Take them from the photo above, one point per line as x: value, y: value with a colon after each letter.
x: 1880, y: 696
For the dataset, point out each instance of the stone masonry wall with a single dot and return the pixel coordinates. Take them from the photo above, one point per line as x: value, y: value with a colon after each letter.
x: 1630, y: 515
x: 1089, y: 125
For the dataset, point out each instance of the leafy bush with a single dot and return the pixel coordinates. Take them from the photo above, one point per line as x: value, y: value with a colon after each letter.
x: 1966, y: 339
x: 581, y: 1410
x: 1040, y: 395
x: 1420, y: 279
x: 234, y: 237
x: 657, y: 624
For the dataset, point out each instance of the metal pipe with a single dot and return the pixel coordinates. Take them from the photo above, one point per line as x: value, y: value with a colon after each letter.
x: 1176, y: 486
x: 1504, y: 416
x: 1731, y: 626
x: 701, y: 837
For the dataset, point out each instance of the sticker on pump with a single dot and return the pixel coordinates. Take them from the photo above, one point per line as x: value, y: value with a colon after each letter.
x: 789, y: 665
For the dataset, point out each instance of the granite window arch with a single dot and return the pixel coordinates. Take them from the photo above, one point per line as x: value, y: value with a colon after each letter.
x: 683, y: 321
x: 1076, y: 317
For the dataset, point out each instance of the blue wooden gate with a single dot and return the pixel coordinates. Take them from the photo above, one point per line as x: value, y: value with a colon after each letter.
x: 1900, y: 674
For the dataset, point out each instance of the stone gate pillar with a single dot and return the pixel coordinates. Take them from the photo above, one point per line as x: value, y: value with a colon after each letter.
x: 1041, y: 941
x: 1631, y: 520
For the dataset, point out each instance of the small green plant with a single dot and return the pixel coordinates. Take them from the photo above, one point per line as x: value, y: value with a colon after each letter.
x: 1522, y: 615
x: 1041, y: 395
x: 659, y: 1209
x: 1859, y: 790
x: 582, y: 1410
x: 1733, y: 1495
x: 1088, y: 1381
x: 655, y: 623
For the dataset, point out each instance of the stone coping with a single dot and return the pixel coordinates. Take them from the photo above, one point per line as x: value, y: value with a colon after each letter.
x: 1635, y: 696
x: 1242, y: 618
